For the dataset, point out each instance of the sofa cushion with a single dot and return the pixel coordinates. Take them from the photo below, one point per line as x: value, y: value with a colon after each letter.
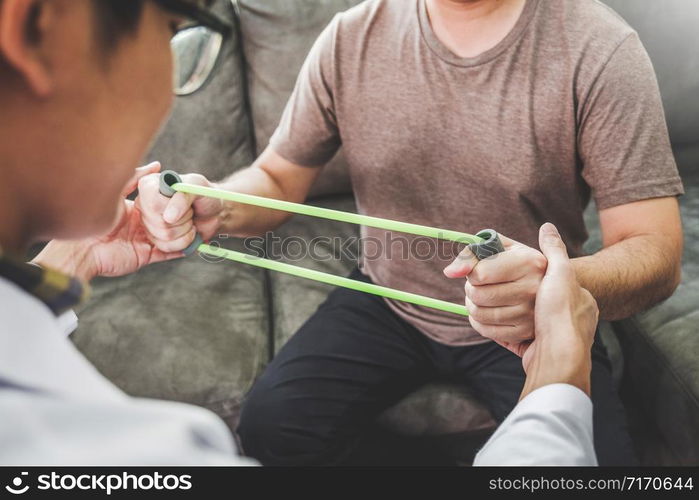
x: 210, y: 131
x: 436, y: 410
x: 277, y: 35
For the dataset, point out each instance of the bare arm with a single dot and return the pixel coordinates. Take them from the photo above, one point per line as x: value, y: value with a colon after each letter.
x: 273, y: 177
x: 640, y: 263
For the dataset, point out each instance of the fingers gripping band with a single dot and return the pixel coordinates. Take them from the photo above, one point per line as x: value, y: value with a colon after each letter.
x: 167, y: 179
x: 490, y: 245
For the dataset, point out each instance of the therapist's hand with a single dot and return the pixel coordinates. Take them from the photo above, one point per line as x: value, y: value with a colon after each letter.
x: 501, y: 291
x: 125, y: 249
x: 565, y: 323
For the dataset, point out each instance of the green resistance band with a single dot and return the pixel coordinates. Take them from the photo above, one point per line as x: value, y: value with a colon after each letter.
x: 484, y: 244
x: 331, y: 279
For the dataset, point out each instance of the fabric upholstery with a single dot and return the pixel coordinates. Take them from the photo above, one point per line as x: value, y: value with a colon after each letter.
x: 438, y: 410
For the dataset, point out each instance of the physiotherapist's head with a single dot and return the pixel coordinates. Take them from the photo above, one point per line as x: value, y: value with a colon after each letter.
x: 84, y: 87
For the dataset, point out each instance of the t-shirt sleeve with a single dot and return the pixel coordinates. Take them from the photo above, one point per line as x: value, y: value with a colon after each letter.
x: 308, y: 133
x: 623, y: 138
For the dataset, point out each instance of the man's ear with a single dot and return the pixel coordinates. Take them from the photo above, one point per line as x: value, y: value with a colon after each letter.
x: 23, y: 23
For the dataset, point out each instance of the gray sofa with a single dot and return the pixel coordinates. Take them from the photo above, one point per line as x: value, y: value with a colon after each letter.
x: 201, y: 332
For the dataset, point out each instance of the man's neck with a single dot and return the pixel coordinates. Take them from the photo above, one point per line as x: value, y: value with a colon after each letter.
x: 470, y: 27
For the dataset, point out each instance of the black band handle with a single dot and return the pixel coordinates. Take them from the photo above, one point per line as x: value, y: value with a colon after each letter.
x: 489, y: 247
x: 167, y: 179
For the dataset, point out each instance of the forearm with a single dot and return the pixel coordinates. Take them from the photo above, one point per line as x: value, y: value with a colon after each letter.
x: 631, y: 275
x: 271, y: 176
x: 247, y: 220
x: 563, y: 358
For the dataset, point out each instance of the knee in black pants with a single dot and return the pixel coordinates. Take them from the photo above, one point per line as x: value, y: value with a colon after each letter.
x: 259, y: 428
x: 274, y: 430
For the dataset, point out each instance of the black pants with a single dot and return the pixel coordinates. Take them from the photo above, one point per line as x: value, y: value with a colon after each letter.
x: 355, y: 357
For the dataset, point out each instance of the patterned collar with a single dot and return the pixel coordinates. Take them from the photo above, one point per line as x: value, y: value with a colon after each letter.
x: 58, y: 291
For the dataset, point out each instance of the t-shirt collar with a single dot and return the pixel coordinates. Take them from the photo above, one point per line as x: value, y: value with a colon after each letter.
x: 448, y: 56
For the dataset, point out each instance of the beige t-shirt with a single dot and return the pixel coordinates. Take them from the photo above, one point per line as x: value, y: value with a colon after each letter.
x: 566, y: 106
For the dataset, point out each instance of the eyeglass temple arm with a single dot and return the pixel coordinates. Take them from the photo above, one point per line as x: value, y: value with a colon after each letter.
x: 196, y: 13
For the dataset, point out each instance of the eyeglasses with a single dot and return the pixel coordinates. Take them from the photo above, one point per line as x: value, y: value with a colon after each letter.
x: 196, y: 44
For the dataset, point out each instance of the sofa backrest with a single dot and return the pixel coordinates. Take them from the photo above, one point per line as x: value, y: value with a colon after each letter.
x: 226, y: 125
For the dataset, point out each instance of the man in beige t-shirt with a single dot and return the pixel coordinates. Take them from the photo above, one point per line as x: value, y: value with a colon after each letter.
x: 462, y: 115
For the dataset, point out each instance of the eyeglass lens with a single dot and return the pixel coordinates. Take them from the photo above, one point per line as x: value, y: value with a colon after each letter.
x: 195, y: 52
